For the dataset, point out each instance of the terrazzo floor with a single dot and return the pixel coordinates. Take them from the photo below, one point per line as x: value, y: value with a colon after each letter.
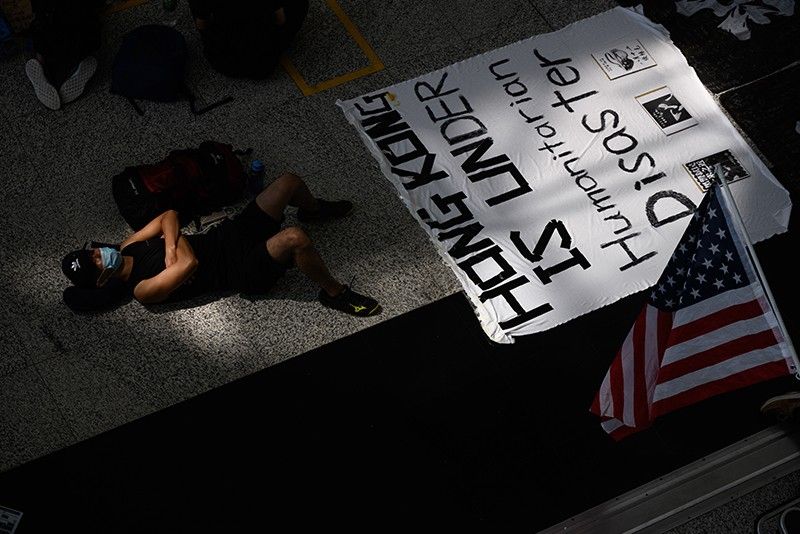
x: 161, y: 417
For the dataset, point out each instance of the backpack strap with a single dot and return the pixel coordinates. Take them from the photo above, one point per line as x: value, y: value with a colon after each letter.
x: 136, y: 106
x: 193, y: 101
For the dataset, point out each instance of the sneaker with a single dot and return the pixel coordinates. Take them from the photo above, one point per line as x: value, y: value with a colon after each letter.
x: 328, y: 209
x: 783, y: 407
x: 348, y: 301
x: 45, y: 92
x: 75, y: 84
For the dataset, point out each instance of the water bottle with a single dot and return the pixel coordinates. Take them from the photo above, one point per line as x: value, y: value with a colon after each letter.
x: 255, y: 177
x: 169, y: 12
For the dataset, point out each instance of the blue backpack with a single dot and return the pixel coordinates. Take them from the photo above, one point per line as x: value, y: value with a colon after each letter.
x: 150, y: 65
x: 7, y: 45
x: 5, y: 29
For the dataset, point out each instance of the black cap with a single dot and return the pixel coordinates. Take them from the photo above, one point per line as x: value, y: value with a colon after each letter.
x: 79, y: 267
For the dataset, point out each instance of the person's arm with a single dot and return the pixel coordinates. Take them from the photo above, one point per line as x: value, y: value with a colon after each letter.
x: 154, y: 228
x: 184, y: 251
x: 159, y: 287
x: 171, y: 230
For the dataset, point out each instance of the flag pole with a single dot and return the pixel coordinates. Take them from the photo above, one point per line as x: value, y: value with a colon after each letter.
x: 725, y: 189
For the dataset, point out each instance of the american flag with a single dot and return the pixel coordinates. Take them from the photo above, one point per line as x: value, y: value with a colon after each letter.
x: 706, y: 328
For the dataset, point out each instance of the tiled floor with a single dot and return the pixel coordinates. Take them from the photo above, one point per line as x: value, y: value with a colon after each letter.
x: 743, y: 513
x: 244, y: 414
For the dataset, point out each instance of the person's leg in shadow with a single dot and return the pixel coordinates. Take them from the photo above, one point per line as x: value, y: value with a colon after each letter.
x: 290, y: 17
x: 292, y: 246
x: 65, y: 35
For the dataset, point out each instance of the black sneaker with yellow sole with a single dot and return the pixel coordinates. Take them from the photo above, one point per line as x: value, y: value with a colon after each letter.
x: 348, y: 301
x: 328, y: 209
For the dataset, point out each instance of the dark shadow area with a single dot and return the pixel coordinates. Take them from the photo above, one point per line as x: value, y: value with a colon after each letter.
x: 96, y: 301
x: 401, y: 423
x: 723, y: 61
x: 772, y: 123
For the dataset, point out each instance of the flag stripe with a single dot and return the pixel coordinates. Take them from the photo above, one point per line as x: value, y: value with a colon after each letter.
x: 617, y: 386
x: 676, y: 353
x: 617, y: 430
x: 746, y: 377
x: 595, y: 407
x: 720, y: 371
x: 602, y: 401
x: 712, y: 321
x: 628, y: 375
x: 610, y: 425
x: 665, y: 323
x: 732, y: 297
x: 645, y: 339
x: 718, y: 354
x: 726, y: 336
x: 631, y: 370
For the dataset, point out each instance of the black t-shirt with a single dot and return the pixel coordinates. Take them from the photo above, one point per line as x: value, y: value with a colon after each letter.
x: 148, y: 261
x: 231, y: 256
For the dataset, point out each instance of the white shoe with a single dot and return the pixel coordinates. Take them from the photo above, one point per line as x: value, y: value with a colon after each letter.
x: 75, y: 84
x: 45, y: 92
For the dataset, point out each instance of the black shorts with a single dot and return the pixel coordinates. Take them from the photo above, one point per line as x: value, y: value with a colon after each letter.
x: 237, y: 252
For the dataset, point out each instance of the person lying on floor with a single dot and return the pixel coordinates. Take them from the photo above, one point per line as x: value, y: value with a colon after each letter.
x: 247, y: 253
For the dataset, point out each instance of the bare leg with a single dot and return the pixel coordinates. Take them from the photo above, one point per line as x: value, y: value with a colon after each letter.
x: 287, y: 190
x: 292, y: 245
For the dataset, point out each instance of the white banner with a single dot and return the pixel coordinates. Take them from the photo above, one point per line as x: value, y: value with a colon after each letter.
x: 557, y: 174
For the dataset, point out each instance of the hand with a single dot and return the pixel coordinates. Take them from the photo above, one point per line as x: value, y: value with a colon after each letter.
x: 185, y: 251
x: 170, y: 256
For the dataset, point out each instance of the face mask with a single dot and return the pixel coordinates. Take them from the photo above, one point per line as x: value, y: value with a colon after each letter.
x: 111, y: 258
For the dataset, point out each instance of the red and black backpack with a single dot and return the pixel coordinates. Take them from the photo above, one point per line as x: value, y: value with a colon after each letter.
x: 194, y: 182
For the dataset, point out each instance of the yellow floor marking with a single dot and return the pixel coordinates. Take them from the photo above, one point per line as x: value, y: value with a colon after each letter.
x: 375, y: 64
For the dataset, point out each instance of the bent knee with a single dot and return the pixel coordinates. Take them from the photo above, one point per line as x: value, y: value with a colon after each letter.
x: 294, y: 238
x: 288, y: 179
